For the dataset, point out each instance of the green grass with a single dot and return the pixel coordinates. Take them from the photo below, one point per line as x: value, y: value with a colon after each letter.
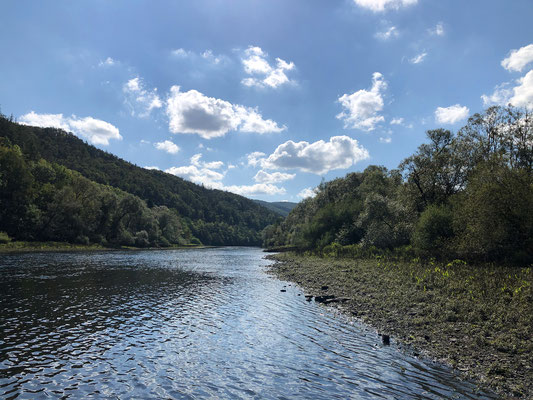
x: 478, y: 319
x: 22, y: 246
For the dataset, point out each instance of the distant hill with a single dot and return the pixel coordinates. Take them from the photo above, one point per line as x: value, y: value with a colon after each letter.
x: 215, y: 217
x: 283, y: 208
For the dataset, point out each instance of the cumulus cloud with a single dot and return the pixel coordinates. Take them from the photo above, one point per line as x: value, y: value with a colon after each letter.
x: 501, y: 96
x: 452, y: 114
x: 152, y: 168
x: 339, y: 152
x: 275, y: 177
x: 418, y: 58
x: 193, y: 112
x: 523, y: 93
x: 361, y: 109
x: 208, y: 174
x: 382, y: 5
x: 263, y: 74
x: 387, y: 34
x: 255, y: 190
x: 518, y: 59
x: 307, y: 192
x: 200, y: 172
x: 167, y: 146
x: 140, y: 100
x: 386, y: 140
x: 256, y: 158
x: 94, y: 130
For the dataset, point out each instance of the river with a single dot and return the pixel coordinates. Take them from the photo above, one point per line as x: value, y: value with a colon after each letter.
x: 184, y: 324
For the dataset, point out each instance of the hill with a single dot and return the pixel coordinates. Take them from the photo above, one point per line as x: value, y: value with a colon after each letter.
x: 215, y: 217
x: 282, y: 208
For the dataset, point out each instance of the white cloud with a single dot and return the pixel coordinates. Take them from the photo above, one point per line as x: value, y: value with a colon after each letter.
x: 45, y: 120
x: 438, y: 30
x: 390, y: 33
x: 262, y: 73
x: 501, y: 96
x: 108, y: 62
x: 205, y: 173
x: 255, y: 190
x: 452, y: 114
x: 193, y: 112
x: 167, y: 146
x: 518, y: 59
x: 523, y: 93
x: 140, y: 100
x: 255, y: 158
x: 397, y: 121
x: 275, y: 177
x: 339, y: 152
x: 382, y: 5
x: 385, y: 140
x: 307, y: 192
x: 418, y: 58
x: 152, y: 168
x: 94, y: 130
x: 362, y: 107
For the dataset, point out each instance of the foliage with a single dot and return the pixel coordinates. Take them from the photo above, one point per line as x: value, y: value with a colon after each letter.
x: 468, y: 195
x: 4, y: 238
x: 213, y: 216
x: 48, y: 202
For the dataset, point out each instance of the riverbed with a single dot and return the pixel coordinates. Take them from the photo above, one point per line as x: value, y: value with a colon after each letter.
x: 184, y: 324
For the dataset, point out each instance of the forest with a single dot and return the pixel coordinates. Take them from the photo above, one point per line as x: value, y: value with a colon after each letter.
x: 54, y: 186
x: 465, y: 195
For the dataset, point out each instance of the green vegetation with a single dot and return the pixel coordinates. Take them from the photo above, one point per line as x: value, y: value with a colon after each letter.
x: 438, y: 253
x: 40, y: 201
x: 475, y: 318
x: 467, y: 196
x: 56, y: 187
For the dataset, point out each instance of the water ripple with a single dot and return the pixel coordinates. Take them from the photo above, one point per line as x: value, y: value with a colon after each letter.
x: 189, y: 324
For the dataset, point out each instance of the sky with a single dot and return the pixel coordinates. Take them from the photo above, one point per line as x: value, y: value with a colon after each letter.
x: 264, y: 98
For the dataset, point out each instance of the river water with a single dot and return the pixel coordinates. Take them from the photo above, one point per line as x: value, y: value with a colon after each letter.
x: 184, y: 324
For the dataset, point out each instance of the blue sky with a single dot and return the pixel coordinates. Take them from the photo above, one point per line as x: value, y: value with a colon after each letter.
x: 262, y: 97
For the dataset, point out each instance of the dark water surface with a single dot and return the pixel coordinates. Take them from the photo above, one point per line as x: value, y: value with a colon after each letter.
x: 188, y: 324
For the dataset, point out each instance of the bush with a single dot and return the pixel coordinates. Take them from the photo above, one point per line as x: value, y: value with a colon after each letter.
x: 4, y: 238
x: 434, y: 231
x: 196, y: 241
x: 141, y: 239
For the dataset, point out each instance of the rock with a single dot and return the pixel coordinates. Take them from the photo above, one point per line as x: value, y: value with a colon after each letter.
x: 308, y: 297
x: 385, y: 339
x: 325, y: 287
x: 283, y: 290
x: 322, y: 299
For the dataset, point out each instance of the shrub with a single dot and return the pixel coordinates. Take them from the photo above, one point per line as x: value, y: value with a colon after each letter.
x: 434, y: 231
x: 4, y: 238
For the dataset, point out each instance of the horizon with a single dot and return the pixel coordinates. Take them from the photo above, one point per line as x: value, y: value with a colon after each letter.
x: 262, y: 99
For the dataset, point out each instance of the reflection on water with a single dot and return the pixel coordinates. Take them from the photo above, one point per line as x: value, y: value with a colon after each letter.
x: 188, y: 324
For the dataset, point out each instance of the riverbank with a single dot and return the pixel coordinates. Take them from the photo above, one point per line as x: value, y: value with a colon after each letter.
x: 24, y: 247
x: 477, y: 319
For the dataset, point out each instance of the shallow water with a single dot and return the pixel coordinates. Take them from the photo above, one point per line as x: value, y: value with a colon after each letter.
x: 200, y: 323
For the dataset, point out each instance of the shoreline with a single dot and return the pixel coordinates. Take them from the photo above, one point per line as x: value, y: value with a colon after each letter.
x: 35, y: 247
x: 477, y: 322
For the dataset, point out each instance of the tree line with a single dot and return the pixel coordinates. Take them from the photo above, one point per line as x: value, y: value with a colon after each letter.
x: 212, y: 217
x: 467, y: 195
x: 48, y: 202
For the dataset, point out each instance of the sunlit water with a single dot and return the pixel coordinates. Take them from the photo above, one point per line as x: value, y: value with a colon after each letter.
x: 189, y: 324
